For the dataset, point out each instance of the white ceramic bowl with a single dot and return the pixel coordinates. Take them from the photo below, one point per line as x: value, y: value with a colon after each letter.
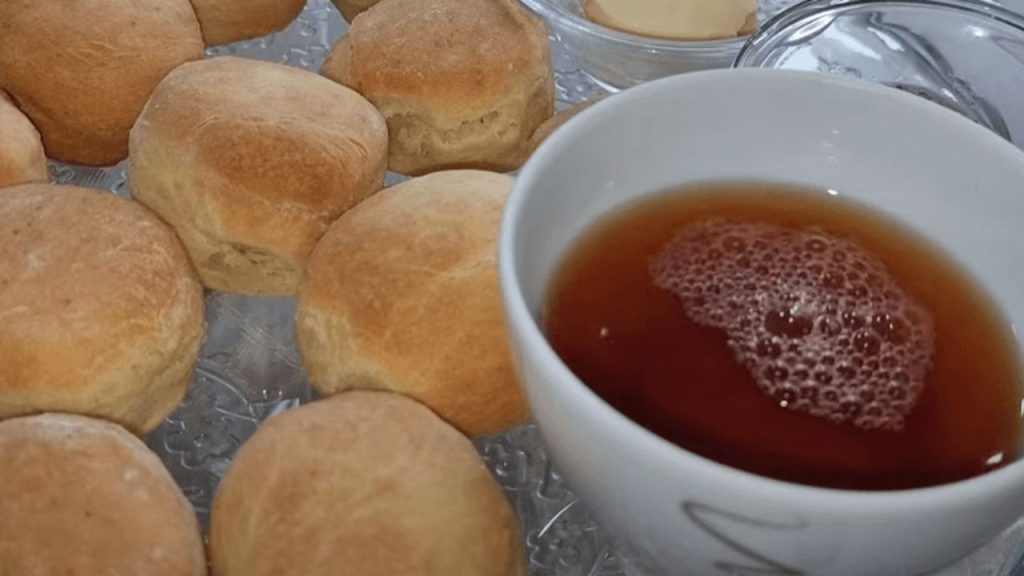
x: 926, y: 166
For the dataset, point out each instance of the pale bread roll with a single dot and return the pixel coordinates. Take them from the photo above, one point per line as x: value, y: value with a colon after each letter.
x: 251, y: 162
x: 402, y: 294
x: 555, y: 122
x: 365, y: 483
x: 351, y: 8
x: 22, y: 158
x: 462, y: 83
x: 84, y: 496
x: 83, y: 70
x: 224, y: 21
x: 100, y: 311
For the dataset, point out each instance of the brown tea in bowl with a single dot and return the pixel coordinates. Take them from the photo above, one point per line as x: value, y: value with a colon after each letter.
x: 792, y: 334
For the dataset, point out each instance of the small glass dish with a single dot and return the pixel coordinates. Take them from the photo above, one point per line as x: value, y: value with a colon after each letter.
x: 617, y: 60
x: 967, y: 55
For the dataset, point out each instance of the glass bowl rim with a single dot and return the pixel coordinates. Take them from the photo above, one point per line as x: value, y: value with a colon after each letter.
x: 807, y: 9
x: 566, y: 20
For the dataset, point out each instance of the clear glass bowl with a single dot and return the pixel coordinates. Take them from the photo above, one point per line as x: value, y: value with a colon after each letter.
x: 967, y: 55
x: 617, y: 60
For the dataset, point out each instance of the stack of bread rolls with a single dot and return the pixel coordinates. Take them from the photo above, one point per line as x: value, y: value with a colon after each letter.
x: 102, y: 316
x: 265, y: 180
x: 82, y: 71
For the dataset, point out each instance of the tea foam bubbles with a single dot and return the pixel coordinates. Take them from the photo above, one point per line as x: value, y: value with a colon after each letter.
x: 818, y: 321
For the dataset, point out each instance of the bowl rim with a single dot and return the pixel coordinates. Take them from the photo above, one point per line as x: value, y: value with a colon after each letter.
x: 566, y: 20
x: 800, y: 12
x: 523, y: 325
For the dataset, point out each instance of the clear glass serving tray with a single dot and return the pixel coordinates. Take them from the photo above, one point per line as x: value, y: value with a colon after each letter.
x: 250, y: 370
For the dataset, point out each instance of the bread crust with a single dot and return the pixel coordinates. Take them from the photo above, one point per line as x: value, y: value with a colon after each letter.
x: 365, y: 483
x: 101, y: 312
x: 82, y: 70
x: 22, y: 159
x: 462, y: 83
x: 351, y: 8
x: 225, y: 21
x: 402, y: 294
x: 250, y: 162
x: 83, y: 496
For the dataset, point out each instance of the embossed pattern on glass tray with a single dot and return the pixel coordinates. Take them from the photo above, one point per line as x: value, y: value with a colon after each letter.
x: 250, y: 370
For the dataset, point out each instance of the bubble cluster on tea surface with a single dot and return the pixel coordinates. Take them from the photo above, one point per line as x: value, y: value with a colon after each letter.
x: 819, y: 322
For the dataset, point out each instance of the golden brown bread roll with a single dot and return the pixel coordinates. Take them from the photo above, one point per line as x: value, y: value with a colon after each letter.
x: 83, y: 496
x: 351, y: 8
x: 365, y: 483
x: 100, y: 311
x: 462, y: 83
x: 83, y: 70
x: 21, y: 151
x: 402, y: 294
x: 225, y: 21
x: 251, y: 162
x: 555, y: 122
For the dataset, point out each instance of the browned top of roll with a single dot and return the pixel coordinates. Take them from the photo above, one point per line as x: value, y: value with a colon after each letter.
x: 83, y: 70
x: 402, y: 294
x: 241, y: 155
x: 94, y: 291
x: 368, y: 481
x: 401, y: 48
x: 83, y: 496
x: 235, y: 115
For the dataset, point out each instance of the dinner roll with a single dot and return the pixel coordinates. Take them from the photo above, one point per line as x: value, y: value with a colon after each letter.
x: 21, y: 152
x: 462, y: 83
x: 365, y: 483
x: 83, y: 496
x: 224, y: 21
x: 352, y: 8
x: 402, y: 294
x: 251, y: 162
x: 100, y: 311
x: 83, y: 70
